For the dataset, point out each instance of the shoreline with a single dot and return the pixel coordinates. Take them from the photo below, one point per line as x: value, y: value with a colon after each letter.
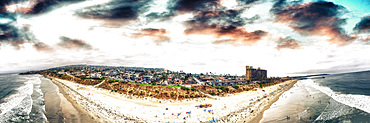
x: 100, y: 105
x: 293, y: 104
x: 259, y: 118
x: 71, y: 111
x: 257, y: 114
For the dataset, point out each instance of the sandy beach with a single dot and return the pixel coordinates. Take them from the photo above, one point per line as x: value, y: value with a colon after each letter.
x: 105, y: 106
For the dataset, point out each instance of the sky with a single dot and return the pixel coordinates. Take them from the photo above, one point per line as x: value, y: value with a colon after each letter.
x: 285, y: 37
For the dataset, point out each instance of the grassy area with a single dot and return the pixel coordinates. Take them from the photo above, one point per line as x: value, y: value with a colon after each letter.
x: 112, y: 80
x: 83, y: 78
x: 143, y: 84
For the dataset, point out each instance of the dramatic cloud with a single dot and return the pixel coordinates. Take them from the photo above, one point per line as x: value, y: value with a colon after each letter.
x: 14, y: 35
x: 176, y: 7
x: 69, y: 43
x: 314, y: 18
x: 287, y: 43
x: 157, y: 35
x: 45, y: 5
x: 188, y: 35
x: 278, y: 6
x: 363, y: 26
x: 116, y: 10
x: 42, y: 47
x: 195, y: 5
x: 31, y: 6
x: 223, y: 24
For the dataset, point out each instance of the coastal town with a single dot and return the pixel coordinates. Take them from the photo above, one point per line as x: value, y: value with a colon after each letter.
x: 120, y: 94
x: 163, y: 77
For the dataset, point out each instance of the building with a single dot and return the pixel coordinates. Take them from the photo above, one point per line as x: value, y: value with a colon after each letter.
x: 147, y: 78
x: 255, y: 74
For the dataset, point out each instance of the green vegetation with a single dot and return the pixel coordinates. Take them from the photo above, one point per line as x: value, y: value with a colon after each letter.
x: 212, y: 93
x: 142, y: 84
x: 235, y: 86
x: 112, y: 80
x: 176, y: 86
x: 225, y: 89
x: 83, y: 78
x: 264, y: 84
x: 193, y: 89
x: 185, y: 88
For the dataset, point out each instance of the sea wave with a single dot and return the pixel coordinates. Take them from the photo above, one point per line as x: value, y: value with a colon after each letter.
x: 18, y: 106
x: 15, y: 99
x: 361, y: 102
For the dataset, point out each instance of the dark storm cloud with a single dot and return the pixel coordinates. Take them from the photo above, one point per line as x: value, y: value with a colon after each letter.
x: 15, y: 36
x: 223, y: 23
x: 287, y: 43
x: 315, y: 18
x: 18, y: 36
x: 45, y: 5
x: 248, y: 1
x: 363, y: 26
x: 69, y: 43
x: 176, y: 7
x: 195, y: 5
x: 281, y: 4
x: 117, y: 9
x: 158, y: 35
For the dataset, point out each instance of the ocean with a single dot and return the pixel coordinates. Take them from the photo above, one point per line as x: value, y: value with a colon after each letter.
x: 22, y: 99
x: 335, y: 98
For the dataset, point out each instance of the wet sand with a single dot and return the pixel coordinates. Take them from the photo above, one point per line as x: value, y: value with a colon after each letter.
x: 292, y: 103
x: 59, y: 108
x: 53, y: 110
x: 264, y: 105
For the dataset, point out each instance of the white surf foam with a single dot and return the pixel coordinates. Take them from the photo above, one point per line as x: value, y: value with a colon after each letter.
x: 15, y: 99
x: 39, y: 102
x: 19, y: 105
x: 334, y: 110
x: 361, y: 102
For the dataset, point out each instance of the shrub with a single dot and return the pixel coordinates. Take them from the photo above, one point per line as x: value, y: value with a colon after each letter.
x: 193, y: 89
x: 260, y: 85
x: 235, y: 86
x: 225, y: 89
x: 185, y: 88
x: 212, y: 93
